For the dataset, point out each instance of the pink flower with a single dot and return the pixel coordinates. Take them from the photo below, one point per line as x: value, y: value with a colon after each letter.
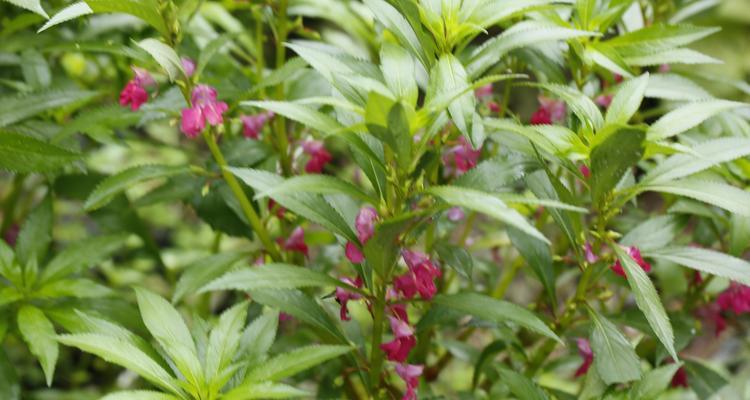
x: 420, y: 278
x: 142, y: 77
x: 188, y: 66
x: 618, y: 78
x: 664, y: 68
x: 279, y: 210
x: 133, y: 94
x: 353, y: 253
x: 283, y: 317
x: 550, y: 111
x: 585, y: 171
x: 460, y: 158
x: 455, y: 214
x: 343, y: 296
x: 410, y: 373
x: 603, y: 100
x: 493, y: 106
x: 590, y: 256
x: 635, y: 254
x: 403, y: 341
x: 319, y: 156
x: 584, y: 349
x: 680, y: 378
x: 736, y: 298
x: 253, y: 124
x: 483, y: 91
x: 296, y: 241
x: 11, y: 235
x: 365, y: 223
x: 205, y: 109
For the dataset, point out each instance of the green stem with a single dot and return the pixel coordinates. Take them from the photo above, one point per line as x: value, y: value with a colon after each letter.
x: 282, y: 142
x: 245, y: 205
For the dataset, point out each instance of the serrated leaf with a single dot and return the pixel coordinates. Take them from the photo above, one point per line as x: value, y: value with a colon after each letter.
x: 165, y: 56
x: 652, y: 233
x: 258, y: 337
x: 627, y: 100
x: 704, y: 260
x: 224, y: 341
x: 265, y: 390
x: 81, y: 255
x: 654, y: 382
x: 675, y: 87
x: 674, y: 56
x: 123, y: 180
x: 456, y: 257
x: 318, y: 184
x: 31, y: 5
x: 581, y: 105
x: 293, y: 362
x: 300, y: 113
x: 36, y: 234
x: 68, y: 13
x: 200, y: 272
x: 703, y: 380
x: 39, y: 333
x: 522, y: 387
x: 538, y: 255
x: 270, y: 276
x: 490, y: 309
x: 35, y: 69
x: 701, y: 157
x: 447, y: 76
x: 79, y: 288
x: 608, y: 58
x: 487, y: 204
x: 399, y: 69
x: 612, y: 158
x: 395, y: 22
x: 648, y: 300
x: 168, y: 328
x: 147, y: 10
x: 658, y: 38
x: 614, y: 357
x: 25, y: 154
x: 688, y: 116
x: 728, y: 197
x: 18, y: 107
x: 139, y: 395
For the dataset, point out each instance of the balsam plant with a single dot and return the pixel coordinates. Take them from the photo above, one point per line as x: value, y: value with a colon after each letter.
x: 532, y: 199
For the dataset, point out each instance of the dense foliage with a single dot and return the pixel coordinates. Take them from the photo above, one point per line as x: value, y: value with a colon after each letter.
x: 475, y: 199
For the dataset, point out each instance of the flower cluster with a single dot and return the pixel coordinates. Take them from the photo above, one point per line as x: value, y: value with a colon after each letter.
x: 134, y: 93
x: 365, y: 226
x: 550, y: 111
x: 253, y: 124
x: 420, y: 278
x: 205, y: 108
x: 318, y: 156
x: 460, y: 158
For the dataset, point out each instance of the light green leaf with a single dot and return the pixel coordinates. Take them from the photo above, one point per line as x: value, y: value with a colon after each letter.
x: 18, y: 107
x: 139, y: 395
x: 164, y: 56
x: 614, y: 357
x: 31, y: 5
x: 300, y: 113
x: 399, y: 26
x: 522, y: 387
x: 270, y: 276
x: 36, y: 234
x: 125, y: 179
x: 447, y: 76
x: 487, y: 204
x: 688, y: 116
x: 652, y: 233
x: 701, y: 157
x: 200, y: 272
x: 25, y: 154
x: 319, y: 184
x: 612, y: 158
x: 81, y: 255
x: 490, y: 309
x: 674, y: 56
x: 648, y: 300
x: 704, y: 260
x: 399, y: 70
x: 675, y: 87
x: 224, y: 341
x: 168, y: 328
x: 608, y: 58
x: 654, y: 382
x: 293, y: 362
x: 581, y: 105
x: 719, y: 194
x: 658, y: 38
x: 39, y: 333
x: 627, y: 100
x: 68, y: 13
x: 123, y: 352
x: 147, y: 10
x: 35, y: 69
x: 265, y: 390
x: 79, y: 288
x: 258, y: 337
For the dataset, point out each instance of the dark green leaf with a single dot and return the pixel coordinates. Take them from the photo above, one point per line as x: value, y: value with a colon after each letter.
x: 521, y: 386
x: 538, y: 255
x: 612, y: 158
x: 200, y: 272
x: 25, y: 154
x: 614, y: 357
x: 36, y: 234
x: 125, y: 179
x: 37, y: 331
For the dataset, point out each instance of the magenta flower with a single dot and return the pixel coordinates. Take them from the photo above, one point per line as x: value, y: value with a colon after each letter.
x: 550, y: 111
x: 420, y: 278
x: 410, y: 373
x: 736, y: 298
x: 343, y: 296
x: 584, y: 349
x: 296, y: 241
x: 205, y: 108
x: 603, y: 100
x: 188, y: 66
x: 590, y: 256
x: 712, y: 317
x: 635, y: 254
x: 585, y: 171
x: 483, y: 91
x: 460, y: 158
x: 455, y: 214
x: 365, y: 226
x: 403, y: 341
x: 680, y: 378
x: 11, y: 235
x: 133, y: 94
x: 493, y: 106
x: 353, y: 253
x: 253, y: 124
x: 142, y: 77
x: 319, y: 156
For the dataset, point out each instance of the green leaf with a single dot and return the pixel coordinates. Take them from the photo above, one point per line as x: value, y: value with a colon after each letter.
x: 81, y: 255
x: 674, y: 56
x: 10, y: 389
x: 35, y: 69
x: 703, y: 380
x: 608, y: 58
x: 39, y: 333
x: 490, y: 309
x: 139, y: 395
x: 539, y: 257
x: 265, y: 390
x: 200, y: 272
x: 19, y: 107
x: 614, y: 357
x: 719, y: 194
x: 382, y: 250
x: 675, y: 87
x: 25, y: 154
x: 612, y: 158
x: 293, y: 362
x: 658, y: 38
x: 654, y: 382
x: 269, y: 276
x: 80, y: 288
x: 224, y: 341
x: 487, y: 204
x: 456, y: 257
x: 581, y: 105
x: 399, y: 26
x: 653, y: 233
x: 258, y: 338
x: 688, y: 116
x: 648, y: 300
x: 125, y: 179
x: 522, y: 387
x: 627, y: 100
x: 300, y: 113
x: 147, y: 10
x: 123, y: 352
x: 701, y: 157
x: 169, y: 329
x: 165, y: 56
x: 68, y: 13
x: 447, y: 76
x: 399, y: 69
x: 319, y: 184
x: 708, y: 261
x: 31, y: 5
x: 36, y: 234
